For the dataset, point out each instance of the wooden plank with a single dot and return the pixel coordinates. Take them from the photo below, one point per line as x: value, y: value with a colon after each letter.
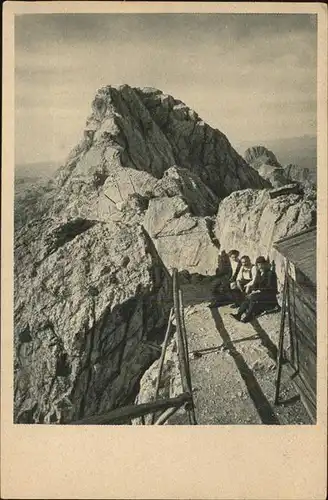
x: 301, y: 235
x: 302, y: 331
x: 307, y: 397
x: 133, y: 411
x: 304, y: 313
x: 287, y: 189
x: 307, y: 365
x: 191, y: 412
x: 305, y: 293
x: 165, y: 416
x: 281, y: 340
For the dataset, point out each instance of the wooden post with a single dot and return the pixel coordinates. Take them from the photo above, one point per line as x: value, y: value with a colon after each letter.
x: 165, y: 415
x: 161, y: 361
x: 181, y: 349
x: 185, y: 340
x: 120, y: 415
x: 281, y: 337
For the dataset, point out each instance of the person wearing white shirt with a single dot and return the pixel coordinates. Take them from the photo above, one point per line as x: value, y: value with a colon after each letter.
x: 244, y: 280
x: 246, y: 276
x: 235, y: 264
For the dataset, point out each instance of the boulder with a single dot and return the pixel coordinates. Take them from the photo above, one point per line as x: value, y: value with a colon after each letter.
x: 183, y: 241
x: 88, y: 307
x: 251, y: 221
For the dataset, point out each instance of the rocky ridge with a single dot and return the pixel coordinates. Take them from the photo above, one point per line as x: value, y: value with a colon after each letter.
x: 89, y: 312
x: 137, y: 196
x: 265, y: 162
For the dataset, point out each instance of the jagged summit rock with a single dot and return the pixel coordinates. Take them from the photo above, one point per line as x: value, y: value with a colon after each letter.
x: 147, y: 144
x: 260, y: 155
x: 147, y: 130
x: 265, y: 162
x: 267, y: 165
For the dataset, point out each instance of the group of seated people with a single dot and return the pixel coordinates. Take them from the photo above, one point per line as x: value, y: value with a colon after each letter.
x: 251, y: 288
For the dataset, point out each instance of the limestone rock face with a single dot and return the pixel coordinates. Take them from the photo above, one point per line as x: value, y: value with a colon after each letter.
x: 31, y: 199
x: 92, y: 291
x: 144, y: 142
x: 124, y: 182
x: 251, y: 221
x: 302, y: 175
x: 149, y: 131
x: 89, y: 303
x: 170, y: 385
x: 198, y: 147
x: 183, y: 241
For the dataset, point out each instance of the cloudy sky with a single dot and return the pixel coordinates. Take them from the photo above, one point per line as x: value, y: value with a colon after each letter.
x: 251, y: 76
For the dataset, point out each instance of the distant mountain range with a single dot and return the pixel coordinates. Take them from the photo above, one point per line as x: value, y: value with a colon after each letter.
x: 301, y: 151
x: 36, y: 170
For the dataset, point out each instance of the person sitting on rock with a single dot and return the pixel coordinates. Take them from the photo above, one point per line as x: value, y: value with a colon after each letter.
x: 223, y: 273
x: 245, y: 280
x: 235, y: 265
x: 263, y: 295
x: 226, y: 273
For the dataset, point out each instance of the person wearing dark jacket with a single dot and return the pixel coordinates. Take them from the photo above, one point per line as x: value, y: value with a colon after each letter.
x: 263, y: 295
x: 226, y: 275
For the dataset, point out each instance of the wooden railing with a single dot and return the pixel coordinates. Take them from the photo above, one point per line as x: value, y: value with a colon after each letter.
x: 167, y: 406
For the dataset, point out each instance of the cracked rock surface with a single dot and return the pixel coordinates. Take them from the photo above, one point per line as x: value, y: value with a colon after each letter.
x: 137, y: 196
x: 84, y: 320
x: 251, y: 221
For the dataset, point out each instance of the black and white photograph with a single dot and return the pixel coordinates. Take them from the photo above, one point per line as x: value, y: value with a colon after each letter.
x: 165, y: 219
x: 164, y: 250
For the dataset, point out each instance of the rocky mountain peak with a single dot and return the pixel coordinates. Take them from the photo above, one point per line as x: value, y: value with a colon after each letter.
x: 138, y: 195
x: 260, y: 155
x: 150, y: 131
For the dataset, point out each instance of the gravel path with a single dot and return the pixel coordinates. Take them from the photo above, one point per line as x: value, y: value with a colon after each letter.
x: 234, y: 379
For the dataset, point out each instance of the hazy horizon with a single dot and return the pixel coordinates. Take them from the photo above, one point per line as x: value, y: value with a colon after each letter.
x: 252, y: 76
